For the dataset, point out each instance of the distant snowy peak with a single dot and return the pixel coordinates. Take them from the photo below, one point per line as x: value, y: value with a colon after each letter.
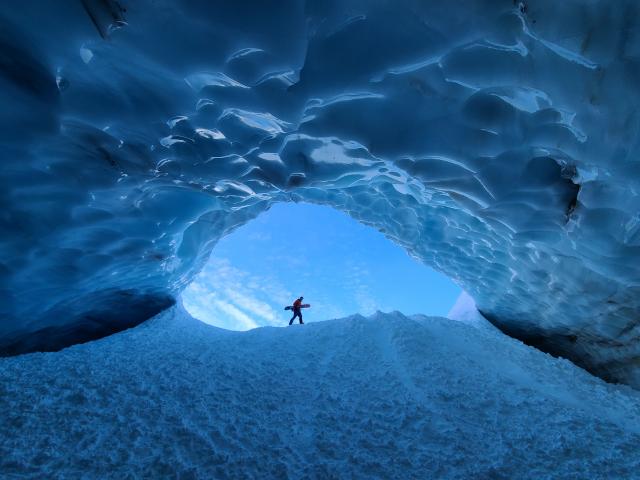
x: 465, y: 310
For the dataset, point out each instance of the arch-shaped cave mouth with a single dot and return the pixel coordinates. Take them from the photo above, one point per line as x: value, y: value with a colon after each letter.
x: 365, y: 270
x: 341, y: 266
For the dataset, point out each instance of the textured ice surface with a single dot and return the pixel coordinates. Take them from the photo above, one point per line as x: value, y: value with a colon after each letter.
x: 497, y: 141
x: 380, y: 397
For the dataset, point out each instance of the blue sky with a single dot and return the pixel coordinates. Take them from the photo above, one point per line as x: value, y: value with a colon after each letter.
x: 340, y: 266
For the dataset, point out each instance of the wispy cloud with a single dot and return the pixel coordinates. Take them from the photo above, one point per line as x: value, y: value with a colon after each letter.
x: 356, y: 279
x: 259, y: 237
x: 228, y: 297
x: 239, y: 316
x: 252, y: 304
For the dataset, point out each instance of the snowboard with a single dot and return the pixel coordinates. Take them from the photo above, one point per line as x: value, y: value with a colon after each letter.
x: 305, y: 305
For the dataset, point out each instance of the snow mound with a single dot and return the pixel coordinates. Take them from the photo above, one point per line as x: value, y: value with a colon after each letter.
x: 381, y: 397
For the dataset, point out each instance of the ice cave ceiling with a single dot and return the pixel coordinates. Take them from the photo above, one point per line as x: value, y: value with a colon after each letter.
x: 495, y: 140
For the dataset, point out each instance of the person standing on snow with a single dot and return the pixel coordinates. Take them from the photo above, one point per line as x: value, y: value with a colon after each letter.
x: 297, y: 310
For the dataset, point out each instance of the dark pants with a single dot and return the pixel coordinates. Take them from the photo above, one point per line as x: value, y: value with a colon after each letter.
x: 296, y: 313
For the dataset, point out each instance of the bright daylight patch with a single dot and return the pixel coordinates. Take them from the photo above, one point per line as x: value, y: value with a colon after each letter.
x: 339, y: 265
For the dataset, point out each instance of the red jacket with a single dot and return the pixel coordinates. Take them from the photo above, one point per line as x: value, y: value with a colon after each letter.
x: 297, y: 304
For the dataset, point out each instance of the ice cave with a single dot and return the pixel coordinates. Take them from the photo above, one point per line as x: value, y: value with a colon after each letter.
x: 498, y: 141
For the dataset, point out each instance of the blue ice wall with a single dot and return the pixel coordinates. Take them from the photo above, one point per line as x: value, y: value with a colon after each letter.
x: 497, y: 141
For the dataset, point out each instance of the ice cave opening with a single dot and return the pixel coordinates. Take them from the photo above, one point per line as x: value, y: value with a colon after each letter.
x: 493, y: 140
x: 342, y: 267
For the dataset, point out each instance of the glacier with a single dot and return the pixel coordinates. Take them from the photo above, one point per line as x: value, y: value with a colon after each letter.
x: 496, y: 141
x: 388, y: 396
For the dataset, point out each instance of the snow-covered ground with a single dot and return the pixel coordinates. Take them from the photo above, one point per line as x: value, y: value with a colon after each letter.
x: 380, y: 397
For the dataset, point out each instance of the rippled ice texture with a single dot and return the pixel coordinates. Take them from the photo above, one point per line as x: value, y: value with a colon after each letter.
x: 497, y: 141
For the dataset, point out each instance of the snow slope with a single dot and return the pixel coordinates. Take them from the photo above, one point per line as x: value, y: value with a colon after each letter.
x: 380, y: 397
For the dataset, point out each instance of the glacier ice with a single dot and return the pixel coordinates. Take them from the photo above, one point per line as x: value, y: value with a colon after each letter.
x: 497, y: 141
